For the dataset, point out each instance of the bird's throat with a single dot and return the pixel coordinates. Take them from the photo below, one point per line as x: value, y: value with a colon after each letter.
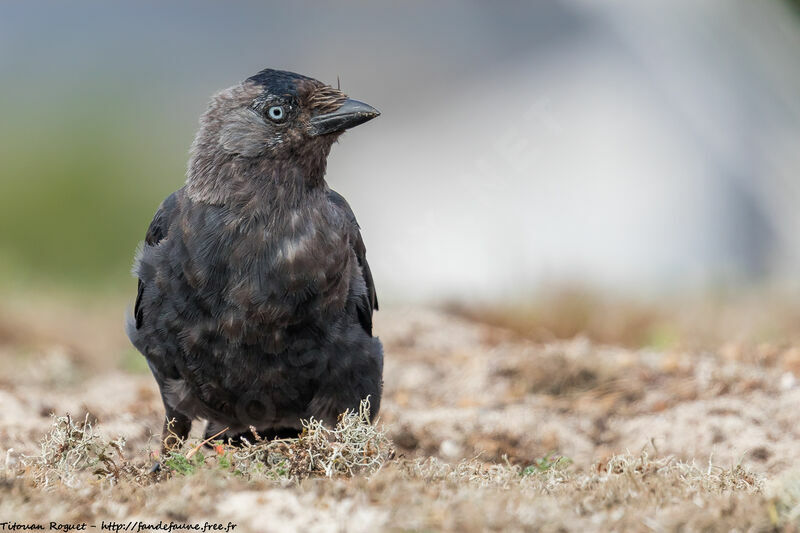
x: 256, y: 184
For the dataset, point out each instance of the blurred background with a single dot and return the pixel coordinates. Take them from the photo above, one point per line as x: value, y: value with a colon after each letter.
x: 640, y: 148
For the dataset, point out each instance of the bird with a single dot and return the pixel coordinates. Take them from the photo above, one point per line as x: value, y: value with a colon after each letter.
x: 255, y: 299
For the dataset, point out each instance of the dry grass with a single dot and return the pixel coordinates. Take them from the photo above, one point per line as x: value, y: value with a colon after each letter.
x: 496, y: 429
x: 353, y: 447
x: 72, y: 453
x: 628, y: 492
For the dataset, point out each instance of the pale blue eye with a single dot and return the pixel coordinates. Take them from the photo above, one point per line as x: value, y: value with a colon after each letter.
x: 276, y: 112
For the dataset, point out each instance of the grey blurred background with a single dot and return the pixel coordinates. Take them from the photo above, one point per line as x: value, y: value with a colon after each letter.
x: 633, y: 146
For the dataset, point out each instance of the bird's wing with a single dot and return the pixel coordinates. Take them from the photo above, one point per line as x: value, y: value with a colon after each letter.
x: 369, y: 302
x: 156, y: 233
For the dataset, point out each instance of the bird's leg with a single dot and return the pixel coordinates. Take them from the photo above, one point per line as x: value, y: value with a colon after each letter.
x: 176, y: 429
x: 214, y: 432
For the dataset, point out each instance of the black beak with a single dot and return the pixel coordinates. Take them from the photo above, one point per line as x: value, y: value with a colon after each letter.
x: 351, y: 114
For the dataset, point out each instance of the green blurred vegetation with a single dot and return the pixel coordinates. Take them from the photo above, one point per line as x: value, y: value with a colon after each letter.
x: 82, y: 175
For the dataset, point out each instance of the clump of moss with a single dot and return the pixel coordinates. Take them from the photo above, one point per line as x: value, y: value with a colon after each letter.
x: 354, y: 446
x: 71, y: 448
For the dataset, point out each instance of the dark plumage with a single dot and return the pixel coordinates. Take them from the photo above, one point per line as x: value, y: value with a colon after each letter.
x: 255, y: 297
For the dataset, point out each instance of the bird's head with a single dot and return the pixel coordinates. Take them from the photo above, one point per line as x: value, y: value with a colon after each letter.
x: 274, y: 119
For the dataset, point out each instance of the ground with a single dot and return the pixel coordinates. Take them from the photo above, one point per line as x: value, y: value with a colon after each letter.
x: 564, y: 417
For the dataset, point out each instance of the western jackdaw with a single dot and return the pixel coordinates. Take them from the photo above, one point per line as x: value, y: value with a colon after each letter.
x: 255, y: 298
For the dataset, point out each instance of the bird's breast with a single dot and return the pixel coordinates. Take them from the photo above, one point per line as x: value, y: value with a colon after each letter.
x: 263, y: 278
